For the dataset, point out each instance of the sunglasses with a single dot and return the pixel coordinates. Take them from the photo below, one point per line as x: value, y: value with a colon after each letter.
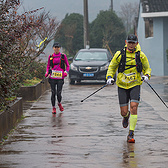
x: 131, y: 42
x: 56, y: 47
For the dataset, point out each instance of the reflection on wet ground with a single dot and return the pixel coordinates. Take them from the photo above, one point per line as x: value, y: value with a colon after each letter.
x: 129, y: 156
x: 90, y: 134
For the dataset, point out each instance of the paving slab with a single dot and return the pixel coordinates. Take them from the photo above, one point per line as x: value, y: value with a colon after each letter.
x: 89, y: 134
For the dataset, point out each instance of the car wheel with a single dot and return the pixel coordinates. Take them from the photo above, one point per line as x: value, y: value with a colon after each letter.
x: 72, y: 82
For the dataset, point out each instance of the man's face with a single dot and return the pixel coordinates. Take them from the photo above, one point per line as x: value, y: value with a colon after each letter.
x: 131, y: 45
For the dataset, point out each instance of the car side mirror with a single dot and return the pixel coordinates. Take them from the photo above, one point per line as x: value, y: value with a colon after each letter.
x: 70, y: 58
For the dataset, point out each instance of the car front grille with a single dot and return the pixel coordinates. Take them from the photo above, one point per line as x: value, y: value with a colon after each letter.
x: 88, y: 69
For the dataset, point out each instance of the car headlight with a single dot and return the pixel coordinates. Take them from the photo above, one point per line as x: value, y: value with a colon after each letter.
x: 105, y: 67
x: 73, y: 67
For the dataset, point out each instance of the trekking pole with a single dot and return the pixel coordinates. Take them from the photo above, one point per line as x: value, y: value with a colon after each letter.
x: 50, y: 71
x: 43, y: 80
x: 94, y: 92
x: 157, y: 94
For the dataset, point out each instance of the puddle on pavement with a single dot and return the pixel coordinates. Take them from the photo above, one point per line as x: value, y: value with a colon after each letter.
x: 37, y: 108
x: 9, y: 152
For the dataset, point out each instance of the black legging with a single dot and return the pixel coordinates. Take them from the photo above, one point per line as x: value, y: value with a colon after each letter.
x: 54, y: 91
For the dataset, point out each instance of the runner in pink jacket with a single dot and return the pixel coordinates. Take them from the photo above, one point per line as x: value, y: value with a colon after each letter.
x: 57, y: 69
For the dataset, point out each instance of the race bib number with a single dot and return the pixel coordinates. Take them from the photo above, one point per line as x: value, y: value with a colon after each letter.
x: 128, y: 78
x: 56, y: 74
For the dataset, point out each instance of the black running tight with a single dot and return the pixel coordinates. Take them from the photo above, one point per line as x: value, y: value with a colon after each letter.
x: 56, y: 89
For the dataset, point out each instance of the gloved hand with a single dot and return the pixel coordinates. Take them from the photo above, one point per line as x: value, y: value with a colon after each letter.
x: 46, y: 74
x: 110, y: 81
x: 145, y: 78
x: 65, y: 73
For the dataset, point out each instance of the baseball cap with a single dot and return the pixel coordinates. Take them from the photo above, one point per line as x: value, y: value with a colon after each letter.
x: 132, y: 38
x: 56, y: 44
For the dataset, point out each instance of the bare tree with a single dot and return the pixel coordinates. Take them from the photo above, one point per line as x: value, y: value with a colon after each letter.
x: 129, y: 11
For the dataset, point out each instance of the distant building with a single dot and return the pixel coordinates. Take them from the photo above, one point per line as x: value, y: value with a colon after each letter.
x: 152, y: 31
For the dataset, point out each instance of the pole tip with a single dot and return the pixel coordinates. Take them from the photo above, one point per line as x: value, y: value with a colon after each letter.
x: 81, y: 100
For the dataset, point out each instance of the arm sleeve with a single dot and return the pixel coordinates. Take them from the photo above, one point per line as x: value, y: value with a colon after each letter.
x: 145, y: 65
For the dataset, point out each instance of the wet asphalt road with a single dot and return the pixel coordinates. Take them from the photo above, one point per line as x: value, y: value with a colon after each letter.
x: 90, y: 134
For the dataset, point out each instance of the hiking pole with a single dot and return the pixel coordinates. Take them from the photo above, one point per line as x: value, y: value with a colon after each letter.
x: 50, y: 71
x: 157, y: 94
x: 43, y: 80
x: 94, y: 92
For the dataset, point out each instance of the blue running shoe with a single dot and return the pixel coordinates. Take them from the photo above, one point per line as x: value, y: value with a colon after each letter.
x: 130, y: 137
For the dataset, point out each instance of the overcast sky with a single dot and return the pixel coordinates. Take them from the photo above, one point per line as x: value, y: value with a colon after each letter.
x: 60, y: 8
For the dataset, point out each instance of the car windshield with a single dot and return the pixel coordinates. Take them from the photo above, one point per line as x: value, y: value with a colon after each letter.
x: 89, y: 56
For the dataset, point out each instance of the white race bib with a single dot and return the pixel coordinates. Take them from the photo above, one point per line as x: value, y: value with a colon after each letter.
x: 128, y: 78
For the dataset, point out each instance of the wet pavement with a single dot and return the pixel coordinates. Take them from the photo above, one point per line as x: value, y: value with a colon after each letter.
x: 89, y: 134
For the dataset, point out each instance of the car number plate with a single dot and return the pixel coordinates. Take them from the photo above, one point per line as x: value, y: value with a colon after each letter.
x: 88, y: 74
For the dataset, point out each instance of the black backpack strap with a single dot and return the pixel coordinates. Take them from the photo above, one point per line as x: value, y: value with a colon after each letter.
x: 122, y: 63
x: 62, y: 62
x: 138, y: 62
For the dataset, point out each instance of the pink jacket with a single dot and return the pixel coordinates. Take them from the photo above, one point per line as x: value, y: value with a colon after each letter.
x: 57, y: 69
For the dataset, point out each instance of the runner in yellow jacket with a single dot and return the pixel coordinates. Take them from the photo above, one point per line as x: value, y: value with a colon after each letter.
x: 129, y: 78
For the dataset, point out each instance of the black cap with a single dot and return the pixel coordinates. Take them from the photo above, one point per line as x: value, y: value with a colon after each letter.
x: 56, y: 44
x: 132, y: 38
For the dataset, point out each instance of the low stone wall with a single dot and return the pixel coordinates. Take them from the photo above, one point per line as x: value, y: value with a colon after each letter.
x: 8, y: 119
x: 33, y: 92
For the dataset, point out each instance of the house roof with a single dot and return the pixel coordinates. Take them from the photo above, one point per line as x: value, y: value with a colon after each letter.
x: 154, y: 8
x: 150, y: 6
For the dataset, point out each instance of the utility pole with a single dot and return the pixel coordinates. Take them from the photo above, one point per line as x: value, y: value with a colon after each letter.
x: 85, y: 24
x: 112, y: 5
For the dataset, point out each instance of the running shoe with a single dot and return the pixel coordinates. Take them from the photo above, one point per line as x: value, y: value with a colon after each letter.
x: 125, y: 121
x: 60, y: 107
x: 130, y: 137
x: 54, y: 110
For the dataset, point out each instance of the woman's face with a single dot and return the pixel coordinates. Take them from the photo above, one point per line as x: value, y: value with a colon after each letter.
x: 56, y: 49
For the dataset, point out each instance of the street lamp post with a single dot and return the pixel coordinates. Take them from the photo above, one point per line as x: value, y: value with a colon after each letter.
x: 85, y: 24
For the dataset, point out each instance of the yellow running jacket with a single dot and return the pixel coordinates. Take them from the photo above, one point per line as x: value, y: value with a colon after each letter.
x: 130, y: 77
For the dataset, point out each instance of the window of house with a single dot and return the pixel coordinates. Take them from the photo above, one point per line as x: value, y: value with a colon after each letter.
x: 148, y: 28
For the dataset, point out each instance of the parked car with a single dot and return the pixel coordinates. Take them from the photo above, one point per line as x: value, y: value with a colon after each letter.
x: 89, y: 64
